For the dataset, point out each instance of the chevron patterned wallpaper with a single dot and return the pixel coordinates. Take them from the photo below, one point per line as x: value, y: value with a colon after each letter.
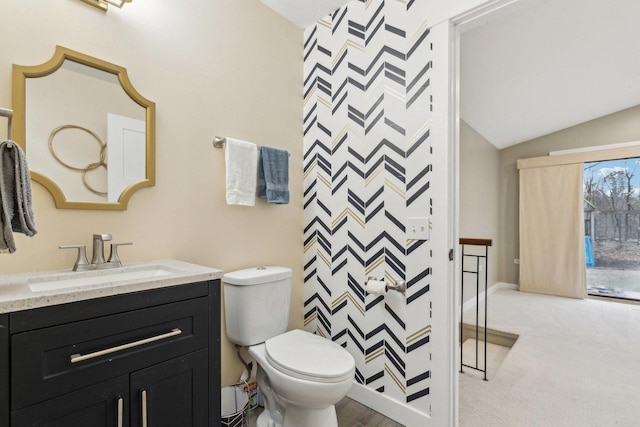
x: 367, y: 167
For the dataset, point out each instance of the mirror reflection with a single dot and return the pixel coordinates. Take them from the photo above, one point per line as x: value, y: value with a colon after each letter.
x: 88, y: 135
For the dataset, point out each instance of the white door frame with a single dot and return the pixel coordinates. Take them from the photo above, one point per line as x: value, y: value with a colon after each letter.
x: 457, y: 25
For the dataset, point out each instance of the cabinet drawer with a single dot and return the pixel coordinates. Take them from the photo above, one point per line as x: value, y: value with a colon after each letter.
x: 56, y: 360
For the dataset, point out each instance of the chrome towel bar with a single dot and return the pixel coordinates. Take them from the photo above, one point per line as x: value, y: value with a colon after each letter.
x: 219, y: 141
x: 5, y: 112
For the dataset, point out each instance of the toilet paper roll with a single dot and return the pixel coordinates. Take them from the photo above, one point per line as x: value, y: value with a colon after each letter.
x: 376, y: 287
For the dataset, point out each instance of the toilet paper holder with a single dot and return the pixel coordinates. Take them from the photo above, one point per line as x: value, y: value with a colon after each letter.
x: 397, y: 285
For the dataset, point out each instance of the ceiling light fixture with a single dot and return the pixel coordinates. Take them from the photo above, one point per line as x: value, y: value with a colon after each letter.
x: 104, y: 4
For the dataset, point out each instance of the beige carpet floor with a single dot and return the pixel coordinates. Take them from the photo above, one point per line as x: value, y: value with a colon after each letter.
x: 495, y: 355
x: 575, y: 363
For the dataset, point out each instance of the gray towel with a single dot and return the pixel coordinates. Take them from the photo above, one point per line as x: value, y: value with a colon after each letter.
x: 273, y: 175
x: 16, y: 213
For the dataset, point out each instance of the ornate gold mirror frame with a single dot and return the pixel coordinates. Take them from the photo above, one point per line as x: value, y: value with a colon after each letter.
x: 20, y: 75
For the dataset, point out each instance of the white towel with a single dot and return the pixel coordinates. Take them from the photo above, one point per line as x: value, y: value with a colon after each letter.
x: 241, y: 160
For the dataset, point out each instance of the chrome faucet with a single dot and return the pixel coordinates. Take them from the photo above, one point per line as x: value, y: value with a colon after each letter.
x: 97, y: 261
x: 98, y: 248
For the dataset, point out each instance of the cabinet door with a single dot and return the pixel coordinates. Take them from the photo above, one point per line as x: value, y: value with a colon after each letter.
x: 102, y: 405
x: 4, y: 370
x: 172, y: 393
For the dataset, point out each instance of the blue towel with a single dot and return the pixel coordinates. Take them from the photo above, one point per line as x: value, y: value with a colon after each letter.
x: 273, y: 175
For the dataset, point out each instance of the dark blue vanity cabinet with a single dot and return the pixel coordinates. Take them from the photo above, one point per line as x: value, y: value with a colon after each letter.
x: 148, y: 358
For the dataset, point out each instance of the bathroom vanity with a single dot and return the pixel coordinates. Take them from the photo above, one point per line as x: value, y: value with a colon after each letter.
x: 135, y: 347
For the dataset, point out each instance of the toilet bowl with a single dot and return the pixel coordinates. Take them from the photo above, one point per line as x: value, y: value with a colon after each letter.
x: 301, y: 376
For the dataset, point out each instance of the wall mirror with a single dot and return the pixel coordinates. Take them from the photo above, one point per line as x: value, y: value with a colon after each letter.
x: 88, y: 135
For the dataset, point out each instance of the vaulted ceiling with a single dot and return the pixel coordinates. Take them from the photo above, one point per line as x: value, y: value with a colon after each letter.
x: 547, y: 66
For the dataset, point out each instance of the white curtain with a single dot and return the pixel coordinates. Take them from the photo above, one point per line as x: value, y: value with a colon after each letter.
x: 552, y: 258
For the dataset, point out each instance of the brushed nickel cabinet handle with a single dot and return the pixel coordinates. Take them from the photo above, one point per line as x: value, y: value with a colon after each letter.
x: 120, y: 411
x: 144, y: 408
x: 80, y: 357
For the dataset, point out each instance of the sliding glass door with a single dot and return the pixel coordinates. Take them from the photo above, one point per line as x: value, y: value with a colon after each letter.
x: 612, y: 228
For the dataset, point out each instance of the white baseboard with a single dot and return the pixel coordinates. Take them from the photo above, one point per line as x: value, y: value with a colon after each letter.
x: 499, y: 285
x: 389, y: 407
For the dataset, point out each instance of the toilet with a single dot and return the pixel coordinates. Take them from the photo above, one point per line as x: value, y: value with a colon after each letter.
x: 301, y: 375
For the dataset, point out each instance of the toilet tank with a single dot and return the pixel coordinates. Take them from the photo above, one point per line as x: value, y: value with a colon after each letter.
x: 256, y: 303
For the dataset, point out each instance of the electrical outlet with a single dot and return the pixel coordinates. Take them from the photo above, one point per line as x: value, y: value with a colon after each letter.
x: 516, y: 261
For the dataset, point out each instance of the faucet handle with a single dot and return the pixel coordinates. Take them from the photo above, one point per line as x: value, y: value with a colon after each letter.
x: 82, y: 255
x: 113, y: 257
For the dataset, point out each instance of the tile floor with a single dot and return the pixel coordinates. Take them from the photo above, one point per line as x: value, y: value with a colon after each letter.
x: 350, y: 414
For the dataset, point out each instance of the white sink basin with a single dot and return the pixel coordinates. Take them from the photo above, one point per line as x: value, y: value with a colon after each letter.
x: 98, y: 278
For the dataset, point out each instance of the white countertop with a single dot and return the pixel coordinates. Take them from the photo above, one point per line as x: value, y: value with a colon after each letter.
x: 25, y: 291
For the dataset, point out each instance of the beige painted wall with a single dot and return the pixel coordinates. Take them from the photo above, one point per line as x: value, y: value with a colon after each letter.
x: 479, y: 183
x: 623, y: 126
x: 213, y: 67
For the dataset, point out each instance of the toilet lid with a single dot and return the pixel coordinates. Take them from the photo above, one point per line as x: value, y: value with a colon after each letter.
x: 307, y: 356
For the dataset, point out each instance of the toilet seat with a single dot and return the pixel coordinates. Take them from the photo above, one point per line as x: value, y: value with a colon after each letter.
x: 309, y: 357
